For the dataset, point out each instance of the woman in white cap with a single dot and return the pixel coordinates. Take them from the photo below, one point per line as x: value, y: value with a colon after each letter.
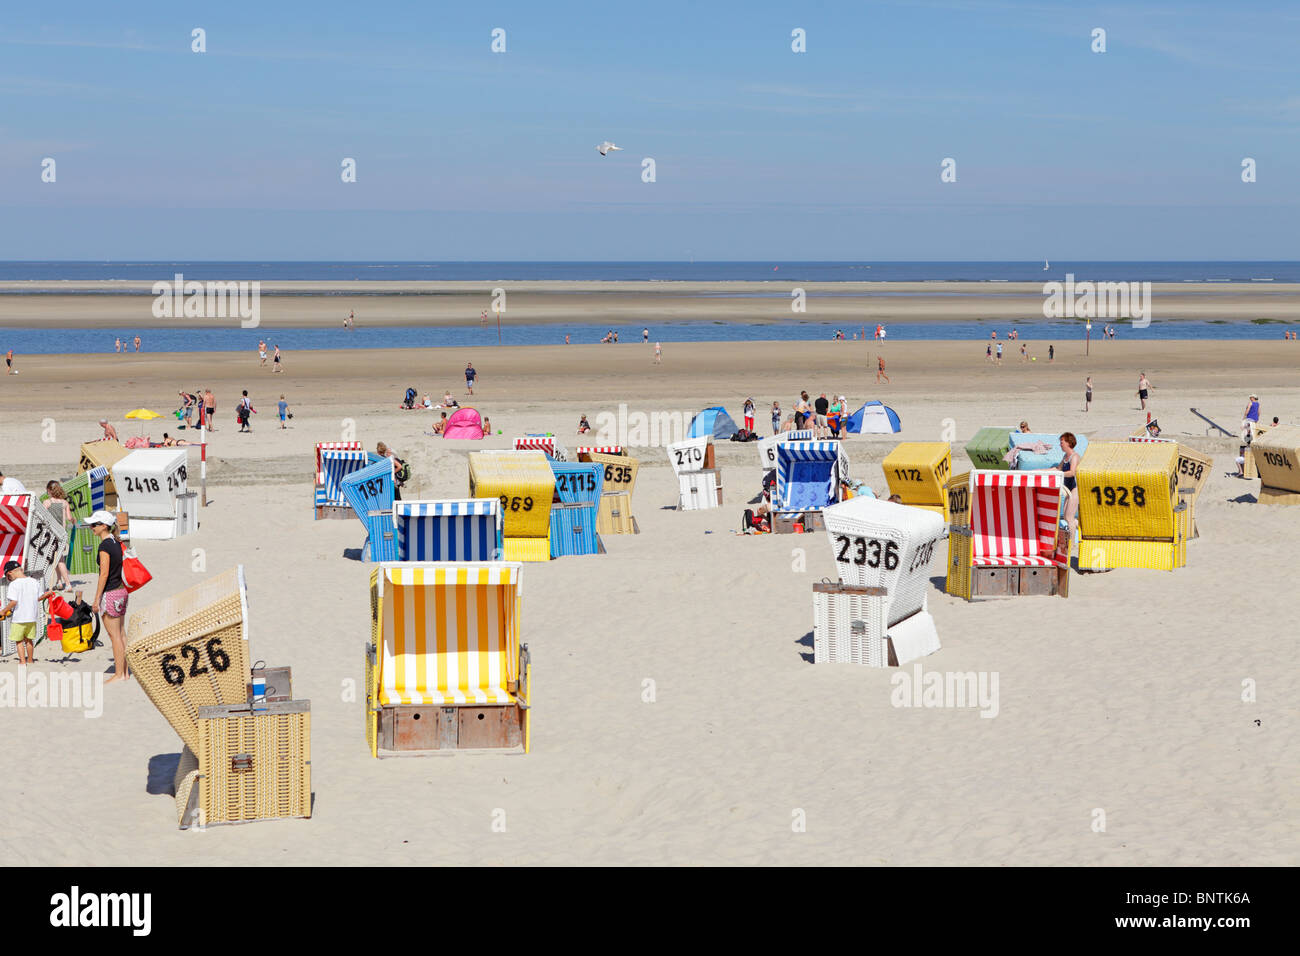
x: 110, y: 590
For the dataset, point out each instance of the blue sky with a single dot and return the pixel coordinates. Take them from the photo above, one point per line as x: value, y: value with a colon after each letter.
x: 760, y: 153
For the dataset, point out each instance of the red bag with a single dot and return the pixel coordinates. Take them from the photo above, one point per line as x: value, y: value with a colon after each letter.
x: 134, y: 574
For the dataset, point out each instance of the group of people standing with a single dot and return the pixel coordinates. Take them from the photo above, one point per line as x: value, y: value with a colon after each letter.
x: 825, y: 416
x: 24, y: 594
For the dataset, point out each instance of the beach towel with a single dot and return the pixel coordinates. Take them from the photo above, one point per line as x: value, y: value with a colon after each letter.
x: 1034, y: 447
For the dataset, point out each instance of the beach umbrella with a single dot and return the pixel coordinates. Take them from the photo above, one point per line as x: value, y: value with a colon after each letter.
x: 142, y: 414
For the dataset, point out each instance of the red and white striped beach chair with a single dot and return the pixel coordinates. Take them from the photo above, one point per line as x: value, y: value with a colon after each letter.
x: 547, y: 444
x: 1003, y: 538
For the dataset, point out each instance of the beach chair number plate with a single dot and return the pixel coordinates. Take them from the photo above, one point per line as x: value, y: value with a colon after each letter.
x: 617, y: 475
x: 855, y: 551
x: 1272, y: 457
x: 174, y: 673
x: 1119, y: 497
x: 516, y: 503
x: 685, y: 455
x: 577, y: 481
x: 1194, y: 469
x: 174, y: 481
x: 45, y: 543
x: 958, y: 500
x: 77, y: 499
x: 371, y: 488
x: 923, y: 555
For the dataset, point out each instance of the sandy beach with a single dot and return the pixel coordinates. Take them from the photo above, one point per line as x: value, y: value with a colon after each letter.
x: 1126, y: 697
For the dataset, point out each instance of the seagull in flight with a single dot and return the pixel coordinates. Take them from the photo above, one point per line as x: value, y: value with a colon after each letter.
x: 606, y: 146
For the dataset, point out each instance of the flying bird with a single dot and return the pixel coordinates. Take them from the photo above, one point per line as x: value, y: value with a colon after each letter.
x: 606, y: 146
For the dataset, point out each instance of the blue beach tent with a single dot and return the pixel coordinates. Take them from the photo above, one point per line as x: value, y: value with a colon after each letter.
x: 713, y: 421
x: 873, y: 418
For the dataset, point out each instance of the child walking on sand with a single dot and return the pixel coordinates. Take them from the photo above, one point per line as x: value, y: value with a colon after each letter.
x: 283, y: 406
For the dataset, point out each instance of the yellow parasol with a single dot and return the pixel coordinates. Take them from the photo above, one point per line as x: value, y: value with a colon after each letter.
x: 142, y: 414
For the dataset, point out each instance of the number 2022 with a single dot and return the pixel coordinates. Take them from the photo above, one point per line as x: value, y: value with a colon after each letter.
x: 1119, y: 497
x: 175, y: 674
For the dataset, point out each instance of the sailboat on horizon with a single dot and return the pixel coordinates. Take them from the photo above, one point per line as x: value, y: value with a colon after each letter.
x: 1046, y: 265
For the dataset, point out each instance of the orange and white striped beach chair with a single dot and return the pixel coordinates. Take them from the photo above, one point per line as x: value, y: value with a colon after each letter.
x: 444, y: 667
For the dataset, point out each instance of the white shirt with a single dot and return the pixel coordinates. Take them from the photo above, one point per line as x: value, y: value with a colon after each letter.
x: 25, y: 591
x: 12, y: 486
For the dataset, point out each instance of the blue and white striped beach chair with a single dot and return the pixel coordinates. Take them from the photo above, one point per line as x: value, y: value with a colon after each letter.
x: 370, y: 493
x: 465, y: 529
x: 808, y: 475
x: 335, y: 466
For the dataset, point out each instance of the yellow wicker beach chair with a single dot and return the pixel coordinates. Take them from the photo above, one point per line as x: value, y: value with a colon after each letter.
x: 917, y: 472
x: 1131, y: 511
x: 1277, y: 458
x: 525, y: 485
x: 444, y: 666
x: 242, y: 760
x: 614, y: 515
x: 191, y: 651
x: 104, y: 453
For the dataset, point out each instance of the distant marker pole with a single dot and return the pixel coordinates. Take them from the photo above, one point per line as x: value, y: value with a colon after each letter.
x: 498, y: 326
x: 1087, y: 341
x: 203, y: 463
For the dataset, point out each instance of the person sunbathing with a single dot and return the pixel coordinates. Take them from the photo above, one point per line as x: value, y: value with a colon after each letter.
x: 440, y: 425
x: 448, y: 401
x: 583, y: 427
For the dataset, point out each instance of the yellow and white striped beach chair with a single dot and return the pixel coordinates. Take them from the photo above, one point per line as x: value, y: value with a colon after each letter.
x: 444, y: 666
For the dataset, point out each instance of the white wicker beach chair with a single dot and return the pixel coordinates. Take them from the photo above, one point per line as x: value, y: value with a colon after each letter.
x: 878, y: 545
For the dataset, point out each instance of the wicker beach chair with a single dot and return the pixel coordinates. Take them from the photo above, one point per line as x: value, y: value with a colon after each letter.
x: 152, y: 487
x: 808, y: 480
x: 579, y: 487
x: 85, y: 493
x: 584, y: 452
x: 614, y: 512
x: 522, y: 481
x: 1277, y: 459
x: 1035, y: 461
x: 988, y: 447
x: 1132, y: 513
x: 882, y: 553
x: 343, y: 457
x: 917, y: 472
x: 370, y: 492
x: 466, y: 529
x: 103, y: 454
x: 444, y: 666
x: 548, y: 445
x: 1003, y: 539
x: 241, y: 760
x: 30, y: 535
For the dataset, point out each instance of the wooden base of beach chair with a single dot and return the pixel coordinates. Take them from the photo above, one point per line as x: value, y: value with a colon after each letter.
x: 1013, y: 582
x: 783, y: 522
x: 426, y: 728
x: 337, y: 512
x: 1277, y: 496
x: 254, y: 763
